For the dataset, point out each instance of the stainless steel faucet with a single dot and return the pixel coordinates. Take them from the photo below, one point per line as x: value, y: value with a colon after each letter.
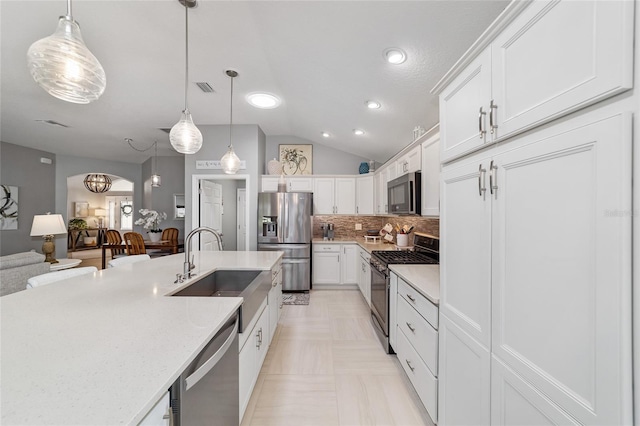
x: 188, y: 262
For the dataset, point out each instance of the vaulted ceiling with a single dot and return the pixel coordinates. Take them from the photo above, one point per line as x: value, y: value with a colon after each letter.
x: 324, y: 59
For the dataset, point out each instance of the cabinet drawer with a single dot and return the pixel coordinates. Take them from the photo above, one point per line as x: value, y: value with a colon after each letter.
x: 420, y: 334
x: 427, y: 309
x: 326, y: 248
x: 425, y: 384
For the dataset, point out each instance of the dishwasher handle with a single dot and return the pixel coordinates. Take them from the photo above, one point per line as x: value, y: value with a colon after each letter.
x: 195, y: 377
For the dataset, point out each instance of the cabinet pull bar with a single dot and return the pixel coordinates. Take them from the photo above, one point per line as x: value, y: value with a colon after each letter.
x: 492, y: 107
x: 482, y: 188
x: 493, y: 179
x: 411, y: 297
x: 409, y: 364
x: 411, y: 327
x: 482, y: 132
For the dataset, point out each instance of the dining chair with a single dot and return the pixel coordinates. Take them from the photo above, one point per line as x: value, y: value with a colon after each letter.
x: 170, y: 234
x: 127, y: 260
x: 114, y: 237
x: 52, y: 277
x: 134, y: 243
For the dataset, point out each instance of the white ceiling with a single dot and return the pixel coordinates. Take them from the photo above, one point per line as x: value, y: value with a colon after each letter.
x: 323, y: 58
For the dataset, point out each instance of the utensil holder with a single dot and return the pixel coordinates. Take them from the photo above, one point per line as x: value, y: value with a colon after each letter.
x: 402, y: 240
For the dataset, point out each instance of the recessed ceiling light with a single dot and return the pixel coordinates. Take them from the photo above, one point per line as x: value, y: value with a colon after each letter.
x: 358, y: 132
x: 395, y: 56
x: 325, y: 134
x: 263, y: 100
x: 373, y: 104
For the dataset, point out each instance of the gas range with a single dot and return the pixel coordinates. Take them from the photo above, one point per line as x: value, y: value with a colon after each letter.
x: 426, y: 251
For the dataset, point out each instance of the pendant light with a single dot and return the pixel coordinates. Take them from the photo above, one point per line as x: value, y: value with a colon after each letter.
x: 63, y: 66
x: 97, y: 183
x: 230, y: 161
x: 185, y: 136
x: 156, y: 180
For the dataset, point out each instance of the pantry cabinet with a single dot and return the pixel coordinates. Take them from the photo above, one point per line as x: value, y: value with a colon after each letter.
x: 535, y: 71
x: 543, y: 281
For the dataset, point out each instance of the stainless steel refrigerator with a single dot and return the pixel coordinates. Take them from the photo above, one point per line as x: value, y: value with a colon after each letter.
x: 284, y: 223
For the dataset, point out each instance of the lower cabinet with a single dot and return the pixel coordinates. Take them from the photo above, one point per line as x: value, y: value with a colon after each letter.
x: 253, y: 350
x: 274, y: 301
x: 364, y: 275
x: 159, y: 415
x: 335, y: 264
x: 416, y: 341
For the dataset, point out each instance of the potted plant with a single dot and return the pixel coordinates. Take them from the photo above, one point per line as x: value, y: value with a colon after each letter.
x: 150, y: 221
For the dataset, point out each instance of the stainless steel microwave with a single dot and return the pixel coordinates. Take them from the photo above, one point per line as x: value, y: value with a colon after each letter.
x: 404, y: 194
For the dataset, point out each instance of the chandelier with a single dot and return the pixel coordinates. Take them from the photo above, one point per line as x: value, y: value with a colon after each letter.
x: 97, y: 183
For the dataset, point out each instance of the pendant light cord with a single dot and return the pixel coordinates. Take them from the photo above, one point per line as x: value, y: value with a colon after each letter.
x: 69, y: 8
x: 186, y: 60
x: 155, y: 166
x: 231, y: 113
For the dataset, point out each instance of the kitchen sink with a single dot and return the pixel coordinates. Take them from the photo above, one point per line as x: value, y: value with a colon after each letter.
x: 253, y: 286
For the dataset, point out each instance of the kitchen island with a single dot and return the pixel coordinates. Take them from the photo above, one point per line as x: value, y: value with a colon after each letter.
x: 104, y: 348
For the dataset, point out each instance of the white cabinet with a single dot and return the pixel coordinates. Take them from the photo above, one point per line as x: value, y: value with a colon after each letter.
x: 537, y: 272
x: 251, y: 356
x: 159, y: 415
x: 334, y: 195
x: 274, y: 301
x: 431, y: 176
x: 349, y: 264
x: 512, y: 87
x: 409, y: 162
x: 294, y: 184
x: 381, y: 191
x: 364, y: 271
x: 335, y: 264
x: 365, y: 195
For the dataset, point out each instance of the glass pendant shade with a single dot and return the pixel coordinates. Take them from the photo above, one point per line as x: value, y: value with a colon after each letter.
x: 156, y: 181
x: 230, y: 162
x: 185, y: 136
x: 63, y: 66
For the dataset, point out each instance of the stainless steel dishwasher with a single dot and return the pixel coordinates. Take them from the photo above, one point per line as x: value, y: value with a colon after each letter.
x: 207, y: 392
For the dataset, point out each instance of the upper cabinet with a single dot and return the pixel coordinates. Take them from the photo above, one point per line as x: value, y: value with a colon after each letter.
x: 334, y: 195
x: 514, y: 85
x: 431, y: 176
x: 294, y: 184
x: 365, y: 195
x: 409, y: 162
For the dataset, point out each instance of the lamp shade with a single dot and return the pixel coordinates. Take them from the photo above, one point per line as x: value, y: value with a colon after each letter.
x: 184, y: 136
x: 230, y: 162
x: 63, y: 66
x: 47, y: 224
x: 99, y: 212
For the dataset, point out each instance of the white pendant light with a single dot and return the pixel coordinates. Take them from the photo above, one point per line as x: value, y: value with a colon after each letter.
x: 230, y: 161
x: 185, y: 136
x: 63, y: 66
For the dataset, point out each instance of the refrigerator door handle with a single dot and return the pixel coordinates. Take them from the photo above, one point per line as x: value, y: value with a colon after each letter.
x: 301, y: 260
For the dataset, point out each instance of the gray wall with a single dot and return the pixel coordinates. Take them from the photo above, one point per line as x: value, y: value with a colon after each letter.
x: 21, y: 167
x: 326, y: 160
x: 70, y: 166
x: 171, y: 170
x: 249, y: 144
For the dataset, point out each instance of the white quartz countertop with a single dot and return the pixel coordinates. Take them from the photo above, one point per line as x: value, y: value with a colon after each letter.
x: 424, y: 278
x: 102, y: 349
x: 360, y: 241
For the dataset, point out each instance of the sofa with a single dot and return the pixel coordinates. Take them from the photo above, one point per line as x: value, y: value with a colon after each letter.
x: 16, y: 269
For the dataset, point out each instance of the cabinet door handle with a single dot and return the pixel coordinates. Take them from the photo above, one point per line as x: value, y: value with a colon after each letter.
x: 357, y: 209
x: 492, y: 122
x: 480, y: 120
x: 481, y: 180
x: 409, y: 364
x: 493, y: 179
x: 411, y: 298
x: 411, y: 327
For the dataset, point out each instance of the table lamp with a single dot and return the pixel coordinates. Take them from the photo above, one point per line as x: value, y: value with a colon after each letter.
x: 46, y: 226
x: 100, y: 214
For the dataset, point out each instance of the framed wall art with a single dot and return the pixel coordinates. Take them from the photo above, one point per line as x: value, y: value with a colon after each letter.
x: 82, y: 209
x: 8, y: 207
x: 296, y: 159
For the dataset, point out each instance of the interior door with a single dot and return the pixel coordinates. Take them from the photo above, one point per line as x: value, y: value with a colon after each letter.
x: 210, y: 212
x: 241, y: 219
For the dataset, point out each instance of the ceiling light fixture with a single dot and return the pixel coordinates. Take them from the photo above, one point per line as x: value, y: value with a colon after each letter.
x: 358, y: 132
x: 230, y: 161
x: 373, y: 104
x: 64, y: 67
x: 263, y: 100
x: 325, y: 134
x: 185, y: 136
x: 156, y: 180
x: 97, y: 183
x: 395, y: 56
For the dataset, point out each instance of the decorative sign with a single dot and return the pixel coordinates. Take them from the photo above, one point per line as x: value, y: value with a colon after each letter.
x: 216, y: 164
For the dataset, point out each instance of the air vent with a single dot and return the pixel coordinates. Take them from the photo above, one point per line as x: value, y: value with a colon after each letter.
x: 52, y: 123
x: 205, y: 87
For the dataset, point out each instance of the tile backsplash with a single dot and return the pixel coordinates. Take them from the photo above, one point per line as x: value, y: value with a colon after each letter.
x: 344, y: 226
